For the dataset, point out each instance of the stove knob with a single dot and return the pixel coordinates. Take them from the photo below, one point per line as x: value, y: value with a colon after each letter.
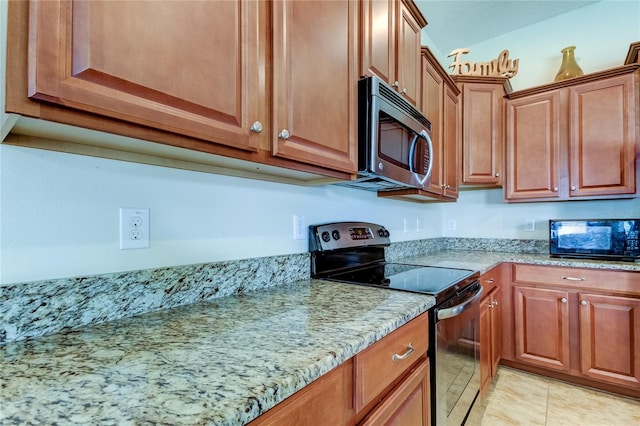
x: 335, y: 234
x: 381, y: 232
x: 326, y: 237
x: 386, y: 233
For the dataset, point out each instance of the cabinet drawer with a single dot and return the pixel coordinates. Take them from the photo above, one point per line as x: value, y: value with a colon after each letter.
x: 583, y: 278
x: 383, y: 363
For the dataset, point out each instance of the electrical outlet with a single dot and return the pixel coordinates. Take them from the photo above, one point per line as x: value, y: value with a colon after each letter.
x: 134, y: 228
x: 405, y: 225
x: 451, y: 224
x: 299, y: 228
x: 530, y: 225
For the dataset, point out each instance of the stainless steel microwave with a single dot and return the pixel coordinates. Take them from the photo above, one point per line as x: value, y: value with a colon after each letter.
x: 611, y: 239
x: 394, y: 140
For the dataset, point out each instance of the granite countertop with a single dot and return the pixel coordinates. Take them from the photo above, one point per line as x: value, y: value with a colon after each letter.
x: 484, y: 260
x: 221, y: 362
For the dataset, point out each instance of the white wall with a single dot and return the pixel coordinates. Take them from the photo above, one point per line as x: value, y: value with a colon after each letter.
x: 59, y: 212
x: 483, y: 214
x: 601, y: 32
x: 60, y: 215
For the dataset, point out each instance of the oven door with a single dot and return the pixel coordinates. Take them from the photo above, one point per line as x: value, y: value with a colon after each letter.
x: 456, y: 357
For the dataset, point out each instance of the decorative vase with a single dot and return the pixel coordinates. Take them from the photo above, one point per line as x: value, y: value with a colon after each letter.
x: 569, y: 67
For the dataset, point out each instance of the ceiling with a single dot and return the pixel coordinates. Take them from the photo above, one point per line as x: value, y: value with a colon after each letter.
x: 454, y: 24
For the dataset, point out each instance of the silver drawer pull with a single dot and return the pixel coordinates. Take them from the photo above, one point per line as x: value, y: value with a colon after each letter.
x: 574, y: 278
x: 409, y: 351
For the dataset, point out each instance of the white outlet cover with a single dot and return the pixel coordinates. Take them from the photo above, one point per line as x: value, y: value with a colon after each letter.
x: 299, y: 227
x: 134, y: 228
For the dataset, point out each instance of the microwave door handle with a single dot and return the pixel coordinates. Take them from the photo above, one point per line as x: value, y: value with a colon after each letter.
x: 425, y: 135
x: 412, y: 155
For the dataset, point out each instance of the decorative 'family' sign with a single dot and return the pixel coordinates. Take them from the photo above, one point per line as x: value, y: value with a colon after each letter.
x: 502, y: 66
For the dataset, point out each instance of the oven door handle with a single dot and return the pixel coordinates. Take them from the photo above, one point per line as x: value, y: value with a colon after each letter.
x: 454, y: 311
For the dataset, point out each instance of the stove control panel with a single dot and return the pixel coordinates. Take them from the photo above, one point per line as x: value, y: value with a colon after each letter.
x: 340, y: 235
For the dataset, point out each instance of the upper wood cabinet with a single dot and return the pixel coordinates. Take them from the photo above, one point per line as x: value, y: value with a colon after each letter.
x: 189, y: 68
x: 482, y: 105
x: 390, y: 44
x: 439, y: 103
x: 315, y: 77
x: 247, y: 80
x: 574, y: 139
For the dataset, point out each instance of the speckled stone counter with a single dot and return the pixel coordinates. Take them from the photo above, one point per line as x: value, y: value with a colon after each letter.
x: 222, y: 362
x: 484, y: 260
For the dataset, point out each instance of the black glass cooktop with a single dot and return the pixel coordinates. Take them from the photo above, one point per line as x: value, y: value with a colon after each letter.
x: 419, y: 279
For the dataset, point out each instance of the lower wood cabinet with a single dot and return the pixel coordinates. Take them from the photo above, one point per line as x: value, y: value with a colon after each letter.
x: 408, y: 404
x: 490, y: 326
x: 387, y: 383
x: 578, y: 324
x: 541, y: 318
x: 328, y: 400
x: 610, y: 338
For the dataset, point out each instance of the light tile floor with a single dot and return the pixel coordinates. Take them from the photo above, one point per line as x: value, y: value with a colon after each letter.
x: 519, y: 398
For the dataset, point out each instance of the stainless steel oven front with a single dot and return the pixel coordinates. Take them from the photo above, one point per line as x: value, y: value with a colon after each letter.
x: 456, y: 358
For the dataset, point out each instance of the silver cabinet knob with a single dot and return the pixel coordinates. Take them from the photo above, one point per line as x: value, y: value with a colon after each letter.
x: 403, y: 92
x: 573, y: 187
x: 583, y: 302
x: 396, y: 84
x: 555, y: 189
x: 489, y: 280
x: 563, y: 300
x: 256, y: 127
x: 284, y: 134
x: 495, y: 303
x: 497, y: 174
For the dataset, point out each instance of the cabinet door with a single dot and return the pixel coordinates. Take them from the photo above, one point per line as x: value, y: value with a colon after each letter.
x: 490, y: 337
x: 378, y: 39
x: 432, y: 107
x: 610, y: 338
x: 533, y: 147
x: 315, y: 82
x: 496, y: 330
x: 407, y: 404
x: 186, y: 67
x: 602, y: 137
x: 451, y: 139
x: 329, y: 398
x: 482, y: 138
x: 541, y: 319
x: 408, y: 65
x: 485, y: 344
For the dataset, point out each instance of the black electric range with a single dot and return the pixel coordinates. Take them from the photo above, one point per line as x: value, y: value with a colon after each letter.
x: 353, y: 252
